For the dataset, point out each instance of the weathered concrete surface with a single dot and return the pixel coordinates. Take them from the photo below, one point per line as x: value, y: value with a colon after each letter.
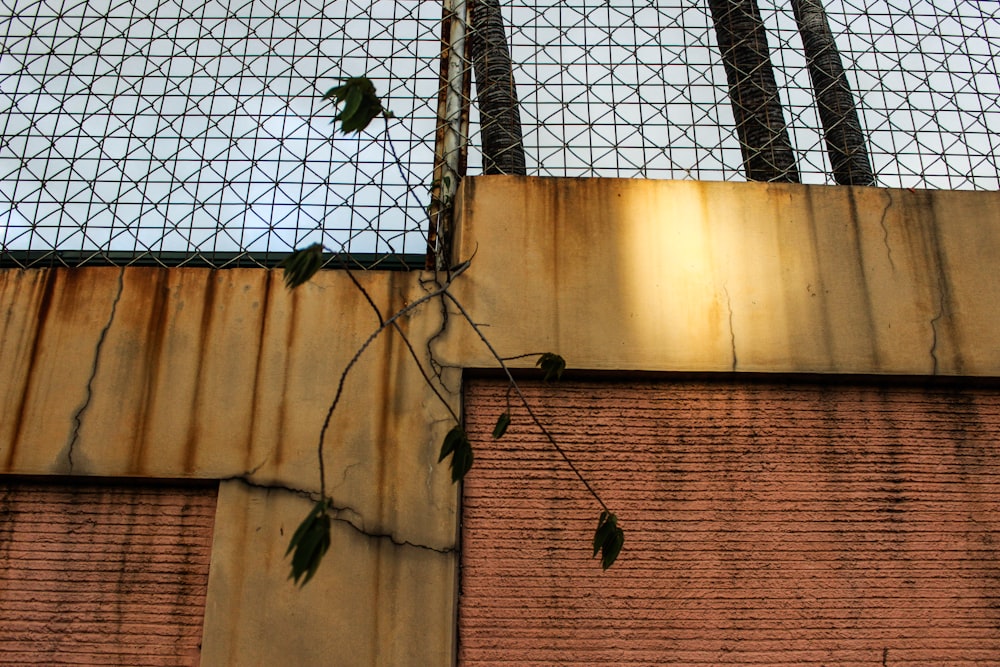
x: 373, y: 601
x: 767, y: 522
x: 687, y: 275
x: 98, y: 573
x: 226, y: 374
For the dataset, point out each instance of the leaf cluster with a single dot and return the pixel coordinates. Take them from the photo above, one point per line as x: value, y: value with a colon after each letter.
x: 608, y: 539
x: 457, y: 444
x: 552, y: 366
x: 360, y: 104
x: 310, y: 542
x: 302, y: 265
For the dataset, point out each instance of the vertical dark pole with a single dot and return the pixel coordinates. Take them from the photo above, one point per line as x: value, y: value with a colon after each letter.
x: 760, y: 123
x: 845, y: 142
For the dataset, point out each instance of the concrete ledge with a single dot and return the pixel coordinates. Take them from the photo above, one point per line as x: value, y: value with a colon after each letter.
x: 699, y: 276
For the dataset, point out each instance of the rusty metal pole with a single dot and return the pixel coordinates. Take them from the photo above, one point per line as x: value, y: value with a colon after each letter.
x: 451, y: 138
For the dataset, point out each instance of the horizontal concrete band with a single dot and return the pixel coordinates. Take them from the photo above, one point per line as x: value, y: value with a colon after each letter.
x: 689, y: 275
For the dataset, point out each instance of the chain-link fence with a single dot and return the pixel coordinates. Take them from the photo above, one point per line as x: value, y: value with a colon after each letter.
x: 193, y: 132
x: 638, y: 89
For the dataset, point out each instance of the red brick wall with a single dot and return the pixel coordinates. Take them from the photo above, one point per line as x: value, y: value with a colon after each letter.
x: 767, y: 523
x: 94, y: 574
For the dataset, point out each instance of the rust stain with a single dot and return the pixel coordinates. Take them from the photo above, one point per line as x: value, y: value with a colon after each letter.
x: 946, y: 311
x: 208, y: 308
x: 377, y: 597
x: 290, y: 344
x: 383, y: 427
x: 818, y: 287
x: 863, y: 276
x: 50, y: 278
x: 156, y: 326
x: 263, y: 307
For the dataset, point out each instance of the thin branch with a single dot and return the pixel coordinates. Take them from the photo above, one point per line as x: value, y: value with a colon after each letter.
x: 409, y: 346
x: 524, y: 401
x: 357, y: 355
x: 364, y: 292
x: 523, y: 356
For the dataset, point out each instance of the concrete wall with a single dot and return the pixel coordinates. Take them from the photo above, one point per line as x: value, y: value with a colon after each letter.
x: 769, y: 521
x: 688, y: 275
x: 98, y: 573
x: 226, y: 375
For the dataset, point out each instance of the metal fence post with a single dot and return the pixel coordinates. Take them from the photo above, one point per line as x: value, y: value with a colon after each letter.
x: 452, y: 132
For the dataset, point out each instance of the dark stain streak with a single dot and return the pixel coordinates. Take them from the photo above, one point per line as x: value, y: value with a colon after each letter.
x: 732, y: 332
x: 261, y: 334
x: 78, y: 415
x: 885, y: 230
x: 820, y: 287
x: 156, y: 328
x: 863, y: 276
x: 943, y: 295
x: 290, y: 331
x: 41, y: 317
x: 383, y: 427
x: 206, y: 324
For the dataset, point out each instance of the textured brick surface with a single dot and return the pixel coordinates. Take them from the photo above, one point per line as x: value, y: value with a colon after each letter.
x: 766, y: 523
x: 103, y: 575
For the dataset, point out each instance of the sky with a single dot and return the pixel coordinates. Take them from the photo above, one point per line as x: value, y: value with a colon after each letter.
x: 197, y: 126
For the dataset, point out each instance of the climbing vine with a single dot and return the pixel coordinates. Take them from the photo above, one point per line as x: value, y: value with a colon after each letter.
x: 358, y: 105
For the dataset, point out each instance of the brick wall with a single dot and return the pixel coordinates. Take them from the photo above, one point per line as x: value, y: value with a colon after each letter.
x: 94, y: 574
x: 767, y: 523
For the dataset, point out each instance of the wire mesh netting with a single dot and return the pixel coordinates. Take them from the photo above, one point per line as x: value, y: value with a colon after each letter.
x: 638, y: 89
x: 194, y: 132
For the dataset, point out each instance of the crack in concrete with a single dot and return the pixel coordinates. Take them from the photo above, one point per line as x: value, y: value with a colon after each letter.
x: 934, y: 321
x: 732, y: 332
x: 344, y: 473
x: 78, y: 415
x: 338, y: 510
x: 885, y: 230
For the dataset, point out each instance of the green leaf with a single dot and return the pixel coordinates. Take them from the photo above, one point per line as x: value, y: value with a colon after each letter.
x: 552, y: 366
x: 451, y: 441
x: 361, y: 104
x: 337, y: 94
x: 612, y: 549
x: 502, y: 423
x: 457, y: 444
x: 354, y: 96
x: 302, y: 265
x: 310, y: 543
x: 461, y: 462
x: 608, y: 539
